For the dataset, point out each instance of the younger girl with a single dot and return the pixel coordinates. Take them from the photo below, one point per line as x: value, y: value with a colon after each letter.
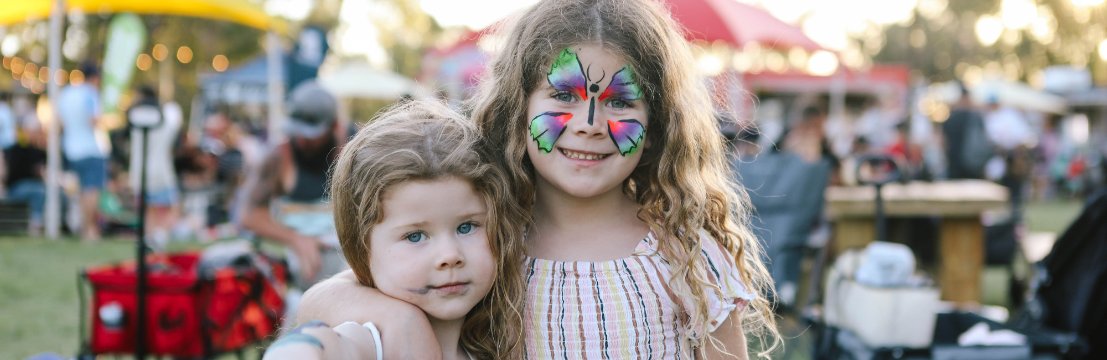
x: 418, y: 217
x: 636, y: 234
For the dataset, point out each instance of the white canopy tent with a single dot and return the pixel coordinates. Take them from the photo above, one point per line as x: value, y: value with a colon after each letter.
x: 358, y: 80
x: 1017, y: 95
x: 1013, y: 94
x: 361, y: 81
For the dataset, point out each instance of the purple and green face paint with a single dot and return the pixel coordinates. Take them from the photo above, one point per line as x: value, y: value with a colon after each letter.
x: 623, y: 86
x: 627, y: 135
x: 569, y: 76
x: 547, y: 127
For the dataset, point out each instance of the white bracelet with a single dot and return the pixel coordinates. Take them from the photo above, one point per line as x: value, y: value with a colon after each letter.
x: 376, y: 339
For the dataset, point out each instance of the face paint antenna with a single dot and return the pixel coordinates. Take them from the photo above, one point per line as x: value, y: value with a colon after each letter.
x: 595, y: 87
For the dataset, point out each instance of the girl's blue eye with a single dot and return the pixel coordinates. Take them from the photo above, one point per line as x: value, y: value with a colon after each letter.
x: 465, y: 228
x: 415, y: 237
x: 619, y: 104
x: 563, y: 96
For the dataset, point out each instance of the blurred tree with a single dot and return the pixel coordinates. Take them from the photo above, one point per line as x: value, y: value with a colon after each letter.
x: 325, y: 13
x: 945, y: 45
x: 406, y: 32
x: 204, y: 39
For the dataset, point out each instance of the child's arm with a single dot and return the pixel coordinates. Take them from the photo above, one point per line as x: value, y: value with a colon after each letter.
x: 731, y: 339
x: 316, y: 340
x: 405, y: 331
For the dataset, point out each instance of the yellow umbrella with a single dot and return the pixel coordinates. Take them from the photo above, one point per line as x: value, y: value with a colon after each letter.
x: 238, y: 11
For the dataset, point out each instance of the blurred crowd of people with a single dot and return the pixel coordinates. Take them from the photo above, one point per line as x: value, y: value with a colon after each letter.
x: 24, y: 162
x: 193, y: 172
x: 213, y: 180
x: 220, y: 174
x: 786, y: 169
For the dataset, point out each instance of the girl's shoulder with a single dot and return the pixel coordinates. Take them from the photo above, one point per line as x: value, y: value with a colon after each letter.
x: 720, y: 268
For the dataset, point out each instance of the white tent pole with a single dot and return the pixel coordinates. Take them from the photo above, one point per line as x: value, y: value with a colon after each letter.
x: 276, y: 88
x: 53, y: 147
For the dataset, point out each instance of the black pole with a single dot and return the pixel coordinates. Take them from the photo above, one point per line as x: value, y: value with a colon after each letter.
x: 140, y: 292
x: 881, y: 223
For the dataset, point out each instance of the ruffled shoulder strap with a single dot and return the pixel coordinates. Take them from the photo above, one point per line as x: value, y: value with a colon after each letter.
x: 722, y: 271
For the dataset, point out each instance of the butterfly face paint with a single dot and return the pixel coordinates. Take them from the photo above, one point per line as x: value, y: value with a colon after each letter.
x: 623, y: 86
x: 568, y: 76
x: 547, y: 127
x: 627, y: 135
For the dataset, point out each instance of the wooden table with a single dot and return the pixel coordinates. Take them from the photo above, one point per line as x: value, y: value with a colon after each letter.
x: 959, y: 204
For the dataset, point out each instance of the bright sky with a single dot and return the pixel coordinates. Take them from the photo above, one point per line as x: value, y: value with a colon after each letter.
x: 830, y: 23
x: 827, y: 22
x: 475, y: 14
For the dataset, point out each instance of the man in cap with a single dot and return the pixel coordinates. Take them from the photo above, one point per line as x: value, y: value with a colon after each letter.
x: 286, y: 194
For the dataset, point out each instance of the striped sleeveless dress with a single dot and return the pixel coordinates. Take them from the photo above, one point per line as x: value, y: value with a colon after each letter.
x: 619, y: 309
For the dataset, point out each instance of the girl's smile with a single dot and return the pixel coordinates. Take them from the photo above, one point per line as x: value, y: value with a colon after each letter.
x: 586, y: 157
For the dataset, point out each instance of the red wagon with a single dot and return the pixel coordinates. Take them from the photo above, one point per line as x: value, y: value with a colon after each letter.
x: 194, y: 309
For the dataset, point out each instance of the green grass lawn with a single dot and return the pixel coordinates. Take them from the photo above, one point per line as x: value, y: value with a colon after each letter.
x: 1052, y: 216
x: 38, y: 291
x: 38, y: 285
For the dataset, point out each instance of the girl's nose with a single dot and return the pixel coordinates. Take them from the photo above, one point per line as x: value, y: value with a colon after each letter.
x: 450, y: 254
x: 590, y: 123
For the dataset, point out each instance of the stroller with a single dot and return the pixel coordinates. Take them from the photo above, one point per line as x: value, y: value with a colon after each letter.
x: 1069, y: 291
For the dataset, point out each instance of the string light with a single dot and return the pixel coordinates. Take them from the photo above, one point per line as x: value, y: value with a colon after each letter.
x: 220, y: 63
x: 184, y: 54
x: 143, y: 62
x: 60, y: 76
x: 76, y: 77
x: 17, y: 66
x: 160, y: 52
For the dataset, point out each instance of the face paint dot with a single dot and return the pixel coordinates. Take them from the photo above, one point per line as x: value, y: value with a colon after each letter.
x: 594, y: 88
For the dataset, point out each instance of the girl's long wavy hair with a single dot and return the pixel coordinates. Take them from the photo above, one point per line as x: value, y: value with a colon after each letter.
x: 427, y: 141
x: 683, y: 182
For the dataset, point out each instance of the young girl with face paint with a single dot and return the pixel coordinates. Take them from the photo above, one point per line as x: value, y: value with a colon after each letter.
x: 459, y: 263
x: 636, y: 235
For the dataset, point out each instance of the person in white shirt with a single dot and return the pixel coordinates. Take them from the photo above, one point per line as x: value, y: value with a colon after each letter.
x: 161, y: 178
x: 85, y: 145
x: 1010, y: 131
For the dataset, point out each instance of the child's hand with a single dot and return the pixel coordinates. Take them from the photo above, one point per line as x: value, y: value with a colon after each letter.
x: 315, y: 340
x: 405, y: 331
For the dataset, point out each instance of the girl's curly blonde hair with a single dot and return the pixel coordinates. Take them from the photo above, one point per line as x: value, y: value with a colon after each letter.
x: 683, y: 182
x: 426, y: 141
